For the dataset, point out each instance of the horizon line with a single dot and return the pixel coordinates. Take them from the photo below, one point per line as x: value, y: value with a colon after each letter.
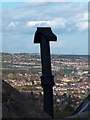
x: 39, y: 53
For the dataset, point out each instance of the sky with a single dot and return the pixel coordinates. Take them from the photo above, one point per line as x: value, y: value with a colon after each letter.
x: 68, y: 21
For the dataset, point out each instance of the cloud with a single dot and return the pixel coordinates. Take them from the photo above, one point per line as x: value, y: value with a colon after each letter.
x: 46, y: 1
x: 37, y: 23
x: 85, y: 16
x: 82, y: 22
x: 55, y: 23
x: 58, y: 22
x: 35, y: 0
x: 82, y: 17
x: 82, y: 26
x: 13, y: 24
x: 63, y: 18
x: 24, y: 18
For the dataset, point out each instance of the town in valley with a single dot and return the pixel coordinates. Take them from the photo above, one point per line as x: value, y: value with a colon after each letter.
x: 23, y: 71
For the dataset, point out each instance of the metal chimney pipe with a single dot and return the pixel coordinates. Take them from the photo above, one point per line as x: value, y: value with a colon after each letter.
x: 43, y: 36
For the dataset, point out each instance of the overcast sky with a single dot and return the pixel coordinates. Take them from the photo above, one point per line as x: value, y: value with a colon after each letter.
x: 68, y: 20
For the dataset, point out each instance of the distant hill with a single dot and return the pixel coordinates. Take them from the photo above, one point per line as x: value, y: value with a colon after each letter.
x: 56, y: 55
x: 15, y: 105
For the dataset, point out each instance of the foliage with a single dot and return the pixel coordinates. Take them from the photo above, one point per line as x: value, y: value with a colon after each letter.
x: 65, y: 112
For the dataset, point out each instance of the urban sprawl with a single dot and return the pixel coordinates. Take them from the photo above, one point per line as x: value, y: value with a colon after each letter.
x: 23, y: 71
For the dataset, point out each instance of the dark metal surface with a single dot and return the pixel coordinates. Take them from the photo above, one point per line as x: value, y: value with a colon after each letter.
x: 48, y: 100
x: 45, y: 31
x: 43, y: 36
x: 47, y: 80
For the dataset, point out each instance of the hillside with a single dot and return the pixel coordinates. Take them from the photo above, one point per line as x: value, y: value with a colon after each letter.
x: 15, y: 105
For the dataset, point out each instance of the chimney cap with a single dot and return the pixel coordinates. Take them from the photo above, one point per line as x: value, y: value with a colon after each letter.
x: 47, y: 32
